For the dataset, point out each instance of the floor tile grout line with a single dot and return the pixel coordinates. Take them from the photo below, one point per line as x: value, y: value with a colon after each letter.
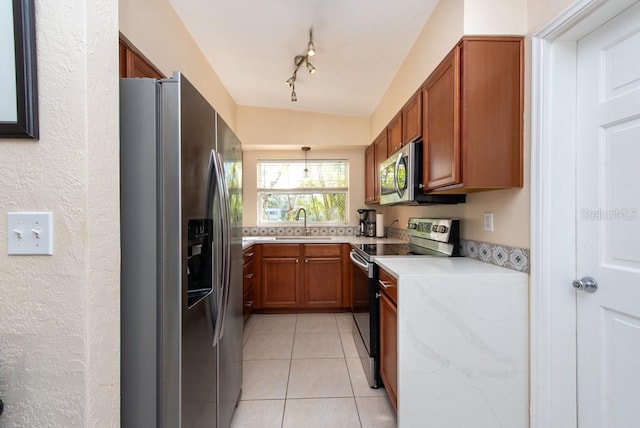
x: 286, y: 390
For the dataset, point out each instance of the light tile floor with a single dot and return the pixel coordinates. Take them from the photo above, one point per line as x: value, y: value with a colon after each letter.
x: 303, y: 371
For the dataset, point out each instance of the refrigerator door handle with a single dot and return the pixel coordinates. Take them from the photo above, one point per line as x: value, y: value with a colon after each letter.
x: 226, y: 251
x: 215, y: 305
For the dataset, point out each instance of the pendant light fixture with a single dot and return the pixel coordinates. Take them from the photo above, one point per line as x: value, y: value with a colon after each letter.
x: 306, y: 170
x: 299, y: 61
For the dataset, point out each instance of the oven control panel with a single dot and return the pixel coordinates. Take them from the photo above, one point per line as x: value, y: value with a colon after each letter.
x: 436, y: 229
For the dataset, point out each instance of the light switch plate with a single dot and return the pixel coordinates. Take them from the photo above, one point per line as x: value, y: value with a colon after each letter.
x: 487, y: 219
x: 30, y: 233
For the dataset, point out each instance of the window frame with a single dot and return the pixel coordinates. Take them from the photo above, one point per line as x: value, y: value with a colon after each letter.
x: 302, y: 191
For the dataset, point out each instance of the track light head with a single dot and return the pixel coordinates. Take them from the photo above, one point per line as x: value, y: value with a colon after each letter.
x: 311, y: 68
x: 311, y: 49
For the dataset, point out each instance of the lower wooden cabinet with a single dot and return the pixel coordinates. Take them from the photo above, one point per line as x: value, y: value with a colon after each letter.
x: 280, y: 274
x: 304, y: 276
x: 389, y: 336
x: 323, y: 276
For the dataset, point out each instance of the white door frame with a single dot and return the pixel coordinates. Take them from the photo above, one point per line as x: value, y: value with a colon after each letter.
x: 553, y: 210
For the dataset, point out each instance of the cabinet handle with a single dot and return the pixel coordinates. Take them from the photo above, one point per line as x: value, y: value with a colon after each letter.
x: 306, y: 260
x: 249, y: 255
x: 385, y: 284
x: 297, y: 261
x: 249, y: 276
x: 249, y: 303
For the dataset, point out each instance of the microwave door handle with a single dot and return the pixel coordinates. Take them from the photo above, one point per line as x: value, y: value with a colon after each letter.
x: 395, y: 174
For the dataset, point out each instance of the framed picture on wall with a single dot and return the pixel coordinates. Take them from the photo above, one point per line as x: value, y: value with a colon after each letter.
x: 18, y: 79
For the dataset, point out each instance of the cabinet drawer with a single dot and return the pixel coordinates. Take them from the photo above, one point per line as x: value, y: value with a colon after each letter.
x: 247, y: 254
x: 388, y: 285
x: 322, y: 250
x: 280, y: 250
x: 247, y: 304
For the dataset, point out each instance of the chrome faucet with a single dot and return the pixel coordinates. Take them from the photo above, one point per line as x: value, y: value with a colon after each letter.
x: 306, y: 231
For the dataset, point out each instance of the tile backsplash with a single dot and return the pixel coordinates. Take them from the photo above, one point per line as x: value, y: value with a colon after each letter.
x: 499, y: 255
x: 299, y: 231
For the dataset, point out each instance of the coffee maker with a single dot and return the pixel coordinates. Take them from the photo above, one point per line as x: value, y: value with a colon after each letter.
x: 366, y: 222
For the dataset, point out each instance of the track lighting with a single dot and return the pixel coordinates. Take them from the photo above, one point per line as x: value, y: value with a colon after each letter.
x: 298, y: 61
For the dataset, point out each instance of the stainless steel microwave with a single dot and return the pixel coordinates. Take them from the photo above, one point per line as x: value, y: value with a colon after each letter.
x: 401, y: 180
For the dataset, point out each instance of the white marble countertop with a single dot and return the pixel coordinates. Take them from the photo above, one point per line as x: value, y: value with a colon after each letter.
x: 416, y: 265
x: 248, y: 241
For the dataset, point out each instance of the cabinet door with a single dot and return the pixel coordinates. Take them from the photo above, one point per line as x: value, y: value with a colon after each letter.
x: 389, y: 347
x: 280, y: 282
x: 394, y: 134
x: 133, y: 64
x: 412, y: 118
x: 323, y: 282
x: 441, y: 122
x: 370, y: 184
x: 381, y: 155
x: 491, y: 76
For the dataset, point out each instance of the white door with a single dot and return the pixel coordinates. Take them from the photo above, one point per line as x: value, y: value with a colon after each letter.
x: 608, y: 223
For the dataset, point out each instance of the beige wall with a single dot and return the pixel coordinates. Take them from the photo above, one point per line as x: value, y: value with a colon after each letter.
x: 280, y: 134
x: 60, y: 314
x: 155, y: 29
x: 266, y: 128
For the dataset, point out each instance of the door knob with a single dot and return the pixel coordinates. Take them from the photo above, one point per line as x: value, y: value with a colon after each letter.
x: 587, y: 284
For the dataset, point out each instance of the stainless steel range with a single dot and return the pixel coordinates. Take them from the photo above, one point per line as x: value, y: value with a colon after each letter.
x: 427, y: 238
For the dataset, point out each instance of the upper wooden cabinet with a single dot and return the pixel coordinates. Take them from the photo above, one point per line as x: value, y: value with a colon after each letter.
x: 132, y: 64
x: 370, y: 174
x: 441, y: 145
x: 412, y: 119
x: 373, y: 155
x: 394, y: 134
x: 473, y: 117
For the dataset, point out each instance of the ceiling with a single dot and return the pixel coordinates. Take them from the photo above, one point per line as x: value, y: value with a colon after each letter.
x: 360, y: 46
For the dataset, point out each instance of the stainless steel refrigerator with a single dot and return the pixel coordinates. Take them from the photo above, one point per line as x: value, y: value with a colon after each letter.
x: 181, y: 240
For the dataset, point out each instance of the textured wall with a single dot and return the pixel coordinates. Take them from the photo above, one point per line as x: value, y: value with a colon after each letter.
x: 59, y: 315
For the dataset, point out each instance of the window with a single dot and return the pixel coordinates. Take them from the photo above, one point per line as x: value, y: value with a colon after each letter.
x: 283, y: 187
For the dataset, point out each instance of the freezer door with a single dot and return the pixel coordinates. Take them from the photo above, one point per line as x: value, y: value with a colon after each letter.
x: 188, y: 138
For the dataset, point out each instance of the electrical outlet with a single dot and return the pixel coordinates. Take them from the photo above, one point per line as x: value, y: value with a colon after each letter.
x: 487, y: 219
x: 29, y: 233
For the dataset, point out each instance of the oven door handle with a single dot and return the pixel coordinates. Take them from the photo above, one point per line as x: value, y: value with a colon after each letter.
x: 358, y: 261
